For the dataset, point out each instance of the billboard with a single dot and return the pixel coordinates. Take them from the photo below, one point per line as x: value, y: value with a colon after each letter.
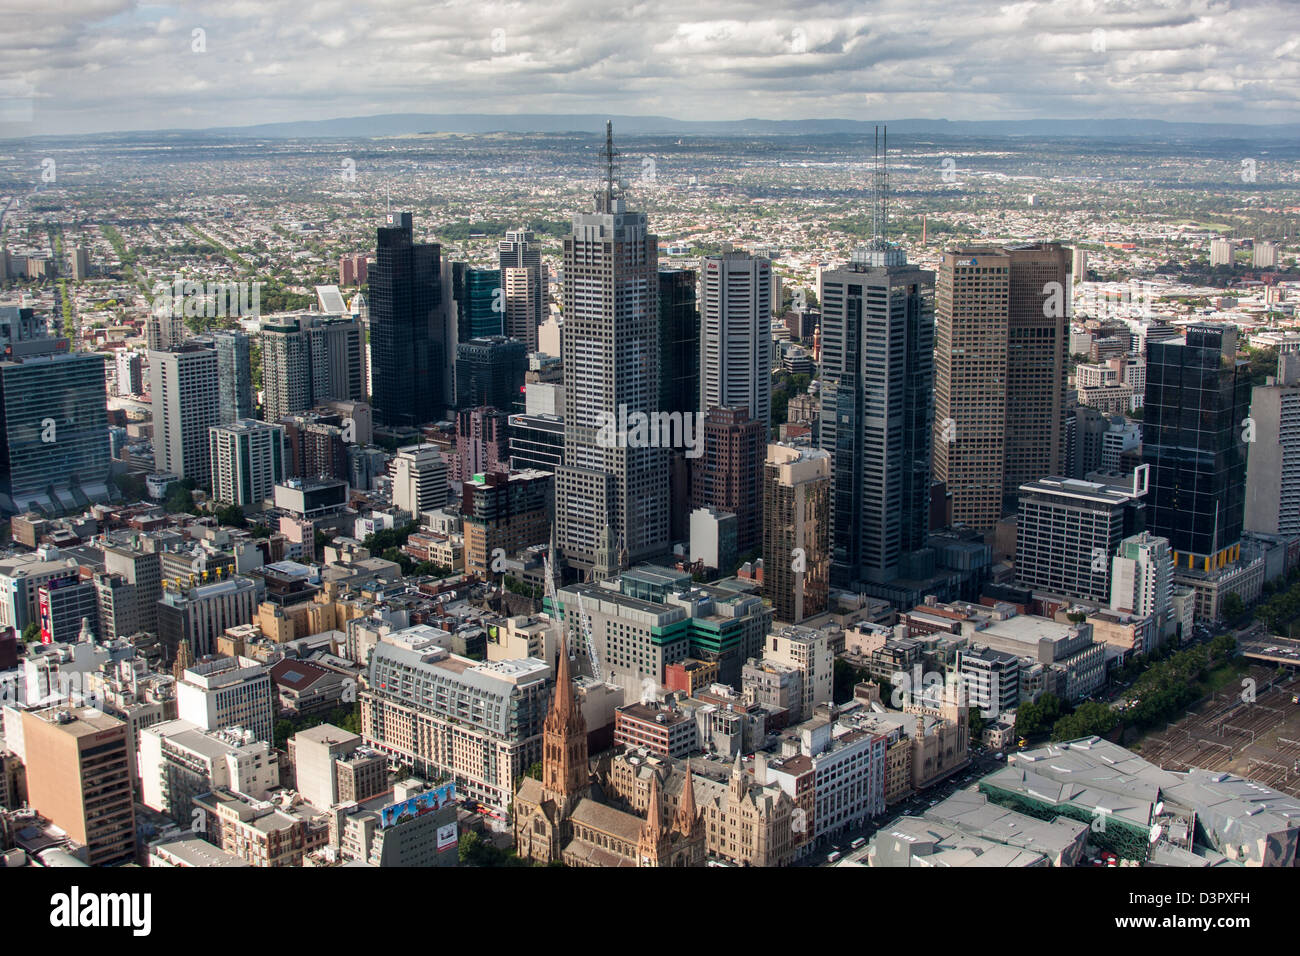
x: 447, y: 836
x: 418, y: 805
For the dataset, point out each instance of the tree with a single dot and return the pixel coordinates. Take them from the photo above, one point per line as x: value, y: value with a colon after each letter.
x: 1233, y: 608
x: 1037, y: 715
x: 846, y: 676
x: 31, y: 633
x: 1089, y: 718
x: 232, y: 516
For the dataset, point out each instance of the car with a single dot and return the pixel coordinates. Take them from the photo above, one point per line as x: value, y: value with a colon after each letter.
x: 998, y: 756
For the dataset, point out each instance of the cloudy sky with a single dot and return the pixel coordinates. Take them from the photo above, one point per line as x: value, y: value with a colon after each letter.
x: 93, y: 65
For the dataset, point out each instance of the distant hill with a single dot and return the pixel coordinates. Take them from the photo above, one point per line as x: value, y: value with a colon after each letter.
x: 399, y: 124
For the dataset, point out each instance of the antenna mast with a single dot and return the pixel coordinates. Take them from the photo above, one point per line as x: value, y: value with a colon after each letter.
x: 605, y: 203
x: 880, y: 188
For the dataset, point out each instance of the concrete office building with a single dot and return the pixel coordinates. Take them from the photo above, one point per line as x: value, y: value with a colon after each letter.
x: 877, y: 412
x: 248, y: 461
x: 807, y: 650
x: 1069, y: 530
x: 141, y: 567
x: 197, y: 615
x: 1001, y: 337
x: 1142, y: 581
x: 309, y: 358
x: 523, y: 277
x: 611, y: 361
x: 735, y: 306
x: 478, y: 723
x: 796, y: 531
x: 228, y: 692
x: 180, y: 761
x: 184, y: 387
x: 728, y: 476
x: 331, y: 767
x: 1273, y: 467
x: 78, y: 777
x: 419, y: 479
x: 509, y: 511
x: 990, y: 680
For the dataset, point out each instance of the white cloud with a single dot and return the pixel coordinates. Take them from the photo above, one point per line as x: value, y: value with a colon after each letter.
x: 1172, y: 59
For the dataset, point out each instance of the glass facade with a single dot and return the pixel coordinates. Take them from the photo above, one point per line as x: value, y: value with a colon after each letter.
x: 1197, y: 398
x: 877, y: 417
x: 54, y: 424
x: 407, y: 338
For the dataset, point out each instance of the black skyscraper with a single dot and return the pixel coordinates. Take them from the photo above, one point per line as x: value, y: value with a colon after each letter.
x: 1197, y: 398
x: 408, y: 346
x: 679, y: 341
x: 490, y: 371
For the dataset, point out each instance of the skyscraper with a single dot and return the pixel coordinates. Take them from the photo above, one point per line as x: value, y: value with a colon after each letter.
x: 183, y: 384
x: 78, y: 777
x: 248, y: 461
x: 611, y: 362
x: 796, y: 531
x: 490, y: 371
x: 309, y: 358
x: 679, y: 387
x: 728, y: 476
x: 478, y: 302
x: 524, y: 281
x: 1273, y: 471
x: 877, y: 411
x: 1001, y: 337
x: 234, y: 375
x: 1197, y: 397
x: 53, y: 417
x: 679, y: 342
x: 408, y: 335
x: 736, y: 334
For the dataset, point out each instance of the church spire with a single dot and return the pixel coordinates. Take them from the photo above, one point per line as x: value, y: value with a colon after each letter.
x: 687, y: 814
x: 652, y: 831
x: 564, y: 734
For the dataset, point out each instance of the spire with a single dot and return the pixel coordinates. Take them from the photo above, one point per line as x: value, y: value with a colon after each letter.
x: 687, y: 814
x: 563, y: 704
x: 738, y: 779
x: 653, y: 828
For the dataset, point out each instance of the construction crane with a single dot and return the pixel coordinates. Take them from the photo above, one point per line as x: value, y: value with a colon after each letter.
x: 586, y: 636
